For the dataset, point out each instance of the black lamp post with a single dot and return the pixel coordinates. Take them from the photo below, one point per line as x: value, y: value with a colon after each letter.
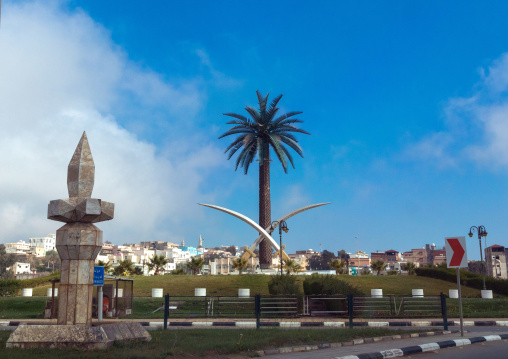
x: 282, y: 227
x: 482, y: 232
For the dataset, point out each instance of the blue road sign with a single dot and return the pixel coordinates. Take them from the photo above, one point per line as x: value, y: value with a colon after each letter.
x: 98, y: 276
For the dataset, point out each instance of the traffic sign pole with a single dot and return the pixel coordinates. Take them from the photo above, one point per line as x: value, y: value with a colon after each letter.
x: 460, y: 305
x: 456, y: 257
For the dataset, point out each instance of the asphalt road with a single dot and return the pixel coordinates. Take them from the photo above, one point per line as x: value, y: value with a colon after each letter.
x: 490, y: 350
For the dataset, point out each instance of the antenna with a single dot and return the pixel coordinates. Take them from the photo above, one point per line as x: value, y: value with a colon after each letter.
x: 321, y: 247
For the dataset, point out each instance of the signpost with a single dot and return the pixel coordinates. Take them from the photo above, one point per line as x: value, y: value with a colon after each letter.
x: 456, y: 257
x: 98, y: 280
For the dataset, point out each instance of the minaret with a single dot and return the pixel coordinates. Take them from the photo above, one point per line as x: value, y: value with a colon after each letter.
x: 200, y: 245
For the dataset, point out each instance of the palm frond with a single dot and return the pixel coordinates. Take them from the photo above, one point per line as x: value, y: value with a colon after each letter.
x: 262, y: 102
x: 272, y: 109
x: 233, y: 150
x: 274, y: 142
x: 233, y: 132
x: 286, y: 115
x: 253, y: 113
x: 235, y: 115
x: 288, y: 155
x: 239, y: 139
x: 290, y: 128
x: 292, y: 144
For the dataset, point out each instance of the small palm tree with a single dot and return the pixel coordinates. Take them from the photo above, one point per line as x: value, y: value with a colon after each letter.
x: 338, y: 266
x: 157, y: 263
x: 196, y: 264
x: 107, y: 266
x: 256, y: 135
x: 125, y: 267
x: 409, y: 267
x: 241, y: 264
x: 378, y: 266
x: 290, y: 266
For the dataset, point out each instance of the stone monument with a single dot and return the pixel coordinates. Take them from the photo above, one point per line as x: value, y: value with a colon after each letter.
x: 78, y: 243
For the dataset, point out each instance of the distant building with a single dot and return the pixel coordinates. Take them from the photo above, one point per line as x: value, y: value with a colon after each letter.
x: 20, y: 247
x: 417, y: 256
x: 495, y: 257
x: 20, y: 268
x: 390, y: 256
x: 359, y: 259
x: 47, y: 244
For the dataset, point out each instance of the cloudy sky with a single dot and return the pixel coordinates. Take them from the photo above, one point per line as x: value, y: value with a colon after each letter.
x: 407, y: 104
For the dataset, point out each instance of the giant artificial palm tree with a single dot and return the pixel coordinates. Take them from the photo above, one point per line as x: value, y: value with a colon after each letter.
x: 256, y: 135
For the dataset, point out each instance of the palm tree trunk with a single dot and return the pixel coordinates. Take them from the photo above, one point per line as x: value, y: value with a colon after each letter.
x: 265, y: 209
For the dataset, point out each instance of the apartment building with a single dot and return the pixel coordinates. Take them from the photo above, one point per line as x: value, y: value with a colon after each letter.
x: 495, y: 258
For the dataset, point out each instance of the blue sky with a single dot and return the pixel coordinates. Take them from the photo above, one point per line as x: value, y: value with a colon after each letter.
x: 406, y: 103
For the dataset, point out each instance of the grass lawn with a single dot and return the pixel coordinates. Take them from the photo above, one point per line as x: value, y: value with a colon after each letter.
x: 228, y: 285
x: 203, y: 343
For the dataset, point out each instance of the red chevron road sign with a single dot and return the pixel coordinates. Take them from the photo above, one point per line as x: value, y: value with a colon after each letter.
x: 456, y: 254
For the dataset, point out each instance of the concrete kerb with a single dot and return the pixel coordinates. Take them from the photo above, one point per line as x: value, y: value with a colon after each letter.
x: 415, y: 349
x: 156, y: 324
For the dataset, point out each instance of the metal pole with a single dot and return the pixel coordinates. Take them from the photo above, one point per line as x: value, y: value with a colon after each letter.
x: 100, y: 303
x: 481, y: 257
x: 350, y: 309
x: 166, y: 310
x: 444, y: 311
x: 460, y: 305
x: 257, y: 306
x: 280, y: 234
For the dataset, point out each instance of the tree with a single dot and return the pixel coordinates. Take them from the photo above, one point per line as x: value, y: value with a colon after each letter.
x: 124, y: 268
x: 52, y: 259
x: 157, y: 263
x: 231, y: 249
x: 290, y: 266
x: 255, y: 137
x: 107, y: 266
x: 320, y: 261
x: 241, y: 264
x: 338, y: 265
x: 179, y: 271
x: 409, y: 267
x: 378, y: 266
x: 6, y: 261
x: 196, y: 264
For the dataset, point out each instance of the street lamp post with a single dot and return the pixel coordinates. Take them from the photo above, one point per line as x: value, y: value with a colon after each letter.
x: 282, y: 227
x: 482, y: 232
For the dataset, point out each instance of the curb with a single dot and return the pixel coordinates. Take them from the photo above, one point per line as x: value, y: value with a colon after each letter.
x: 296, y: 324
x: 304, y: 348
x: 415, y: 349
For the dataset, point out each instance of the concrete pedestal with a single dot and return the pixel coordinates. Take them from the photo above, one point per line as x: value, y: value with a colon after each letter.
x: 78, y: 245
x: 76, y: 336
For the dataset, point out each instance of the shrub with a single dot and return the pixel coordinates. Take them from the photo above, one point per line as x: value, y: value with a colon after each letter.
x: 9, y: 287
x: 178, y: 271
x: 498, y: 286
x: 328, y: 284
x: 393, y: 272
x: 283, y: 284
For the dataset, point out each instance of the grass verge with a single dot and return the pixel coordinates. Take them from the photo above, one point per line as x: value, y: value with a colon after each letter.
x: 203, y: 343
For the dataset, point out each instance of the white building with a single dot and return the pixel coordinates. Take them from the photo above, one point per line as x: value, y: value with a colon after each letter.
x: 20, y: 268
x: 20, y: 247
x: 48, y: 243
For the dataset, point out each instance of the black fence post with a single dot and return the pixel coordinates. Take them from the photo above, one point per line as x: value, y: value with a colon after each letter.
x: 350, y: 309
x: 166, y: 310
x: 258, y: 310
x: 444, y: 311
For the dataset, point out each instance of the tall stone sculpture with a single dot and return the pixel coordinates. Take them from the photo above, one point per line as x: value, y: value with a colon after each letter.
x: 78, y: 242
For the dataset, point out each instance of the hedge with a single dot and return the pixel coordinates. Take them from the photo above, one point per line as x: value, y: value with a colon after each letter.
x: 10, y: 287
x: 498, y: 286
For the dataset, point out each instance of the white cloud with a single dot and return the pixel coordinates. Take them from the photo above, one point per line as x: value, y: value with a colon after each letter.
x: 476, y: 127
x: 60, y: 74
